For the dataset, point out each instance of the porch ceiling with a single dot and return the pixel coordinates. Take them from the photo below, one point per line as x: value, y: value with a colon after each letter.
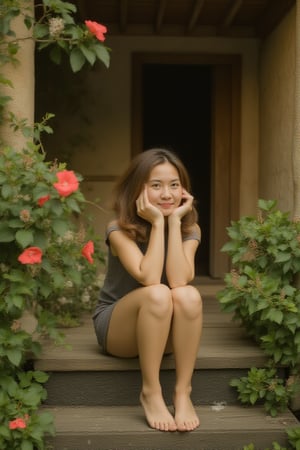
x: 230, y: 18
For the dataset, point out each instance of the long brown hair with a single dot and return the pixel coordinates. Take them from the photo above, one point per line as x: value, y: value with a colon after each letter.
x: 130, y: 185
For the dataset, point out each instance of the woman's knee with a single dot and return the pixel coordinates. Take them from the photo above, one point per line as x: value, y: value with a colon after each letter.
x: 159, y: 300
x: 187, y: 300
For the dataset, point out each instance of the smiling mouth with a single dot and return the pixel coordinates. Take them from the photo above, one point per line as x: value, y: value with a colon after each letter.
x: 166, y: 205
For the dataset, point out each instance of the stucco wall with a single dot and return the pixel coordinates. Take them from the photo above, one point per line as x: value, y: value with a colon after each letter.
x: 93, y: 122
x: 277, y: 97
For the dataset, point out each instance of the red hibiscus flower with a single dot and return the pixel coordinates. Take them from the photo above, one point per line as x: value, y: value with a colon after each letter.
x: 97, y: 29
x: 31, y: 255
x: 43, y: 200
x: 88, y: 250
x: 67, y: 183
x: 17, y: 423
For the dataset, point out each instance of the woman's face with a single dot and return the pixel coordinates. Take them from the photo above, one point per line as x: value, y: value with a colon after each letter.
x: 164, y: 188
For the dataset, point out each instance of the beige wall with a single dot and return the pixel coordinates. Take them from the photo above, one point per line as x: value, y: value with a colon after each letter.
x: 277, y: 96
x: 20, y: 75
x: 97, y: 128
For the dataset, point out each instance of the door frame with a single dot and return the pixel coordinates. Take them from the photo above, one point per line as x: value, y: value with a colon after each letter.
x: 225, y: 143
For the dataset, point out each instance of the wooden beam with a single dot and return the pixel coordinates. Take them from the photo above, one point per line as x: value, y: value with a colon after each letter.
x: 229, y: 18
x: 273, y: 15
x: 123, y: 15
x: 197, y: 8
x: 160, y: 15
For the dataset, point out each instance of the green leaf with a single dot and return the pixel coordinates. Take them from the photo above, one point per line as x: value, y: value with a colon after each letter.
x: 18, y: 301
x: 253, y: 397
x: 266, y: 205
x: 89, y: 55
x: 26, y: 445
x: 73, y: 204
x: 32, y: 397
x: 15, y: 223
x: 77, y: 59
x: 102, y: 54
x: 58, y: 280
x: 6, y: 234
x: 4, y: 432
x: 6, y: 191
x: 28, y: 21
x: 24, y: 237
x: 40, y: 30
x: 15, y: 356
x: 277, y: 354
x: 60, y: 227
x: 45, y: 290
x: 45, y: 418
x: 40, y: 377
x: 56, y: 207
x: 56, y: 54
x: 275, y: 315
x: 282, y: 257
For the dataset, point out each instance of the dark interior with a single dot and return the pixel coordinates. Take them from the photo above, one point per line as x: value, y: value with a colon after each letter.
x: 177, y: 115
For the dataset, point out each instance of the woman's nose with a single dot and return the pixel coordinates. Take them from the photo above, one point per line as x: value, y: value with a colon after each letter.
x: 165, y: 192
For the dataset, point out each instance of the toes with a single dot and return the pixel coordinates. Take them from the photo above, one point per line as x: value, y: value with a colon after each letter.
x: 187, y: 426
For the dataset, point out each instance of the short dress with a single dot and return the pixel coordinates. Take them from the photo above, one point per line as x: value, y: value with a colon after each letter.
x: 117, y: 283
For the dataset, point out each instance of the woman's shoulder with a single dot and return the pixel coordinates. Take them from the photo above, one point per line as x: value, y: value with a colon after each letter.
x: 111, y: 226
x: 194, y: 232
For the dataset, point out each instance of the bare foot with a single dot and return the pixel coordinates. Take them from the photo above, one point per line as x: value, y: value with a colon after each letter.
x: 186, y: 418
x: 157, y: 414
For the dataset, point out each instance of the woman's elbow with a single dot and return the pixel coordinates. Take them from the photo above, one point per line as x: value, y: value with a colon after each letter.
x: 180, y: 280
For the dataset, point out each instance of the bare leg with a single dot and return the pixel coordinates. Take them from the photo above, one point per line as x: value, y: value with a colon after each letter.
x: 186, y: 332
x: 140, y: 324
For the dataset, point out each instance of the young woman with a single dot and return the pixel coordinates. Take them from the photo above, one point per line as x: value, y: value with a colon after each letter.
x: 147, y: 306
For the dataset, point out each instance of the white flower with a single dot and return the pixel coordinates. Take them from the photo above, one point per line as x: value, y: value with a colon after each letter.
x: 64, y: 300
x: 85, y: 298
x: 69, y: 236
x: 56, y: 26
x: 99, y: 280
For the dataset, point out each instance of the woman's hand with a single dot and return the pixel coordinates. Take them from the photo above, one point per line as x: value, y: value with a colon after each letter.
x: 145, y: 209
x: 186, y: 205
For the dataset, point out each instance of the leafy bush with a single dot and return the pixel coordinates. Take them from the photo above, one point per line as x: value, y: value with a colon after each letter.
x: 262, y: 293
x: 49, y: 256
x: 293, y: 441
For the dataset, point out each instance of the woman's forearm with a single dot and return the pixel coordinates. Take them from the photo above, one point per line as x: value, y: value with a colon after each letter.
x: 179, y: 270
x: 151, y: 265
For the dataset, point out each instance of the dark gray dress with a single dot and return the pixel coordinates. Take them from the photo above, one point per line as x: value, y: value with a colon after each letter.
x: 118, y: 282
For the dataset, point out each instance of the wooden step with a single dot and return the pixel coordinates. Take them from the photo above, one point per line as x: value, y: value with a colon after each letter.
x: 82, y: 375
x: 224, y: 345
x: 124, y: 428
x: 94, y: 398
x: 99, y: 388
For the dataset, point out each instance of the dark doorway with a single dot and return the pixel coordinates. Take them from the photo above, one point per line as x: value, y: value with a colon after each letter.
x: 177, y: 115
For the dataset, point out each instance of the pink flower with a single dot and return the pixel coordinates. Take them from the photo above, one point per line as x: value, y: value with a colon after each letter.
x: 97, y: 29
x: 32, y: 255
x: 43, y: 200
x: 17, y: 423
x: 88, y: 250
x: 67, y: 183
